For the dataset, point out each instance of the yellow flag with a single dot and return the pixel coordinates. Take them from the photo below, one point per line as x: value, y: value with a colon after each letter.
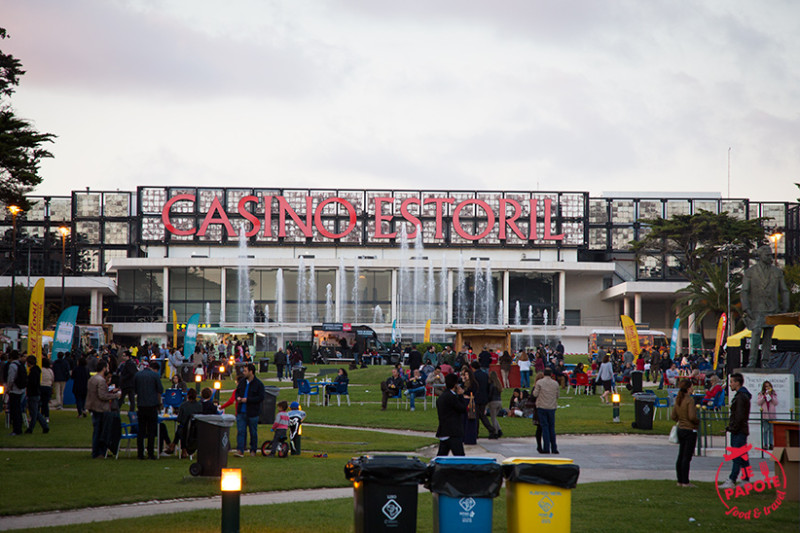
x: 427, y: 337
x: 723, y: 321
x: 174, y: 329
x: 36, y: 321
x: 631, y: 336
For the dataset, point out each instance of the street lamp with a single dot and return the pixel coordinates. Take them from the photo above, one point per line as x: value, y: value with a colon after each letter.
x: 775, y: 237
x: 15, y: 210
x: 231, y: 486
x: 64, y: 231
x: 615, y: 401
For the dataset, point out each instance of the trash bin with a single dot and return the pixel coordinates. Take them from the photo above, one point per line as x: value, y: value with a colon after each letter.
x: 263, y: 365
x: 298, y: 373
x: 644, y: 409
x: 267, y: 414
x: 385, y: 492
x: 213, y: 443
x: 636, y: 381
x: 463, y: 488
x: 539, y: 493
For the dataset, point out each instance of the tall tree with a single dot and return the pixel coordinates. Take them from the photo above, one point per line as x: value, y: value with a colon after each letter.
x: 708, y: 294
x: 699, y: 238
x: 21, y: 145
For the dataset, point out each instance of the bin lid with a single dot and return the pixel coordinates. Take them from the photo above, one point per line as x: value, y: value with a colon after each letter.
x: 549, y: 472
x: 273, y: 391
x: 224, y: 421
x: 464, y: 477
x: 532, y: 460
x: 386, y: 469
x: 645, y: 397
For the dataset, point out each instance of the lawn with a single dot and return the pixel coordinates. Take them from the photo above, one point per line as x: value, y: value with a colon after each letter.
x: 613, y: 507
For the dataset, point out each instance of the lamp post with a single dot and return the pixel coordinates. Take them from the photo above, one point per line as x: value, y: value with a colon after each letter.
x: 15, y: 210
x: 231, y: 486
x: 615, y: 401
x: 64, y: 231
x: 775, y: 237
x: 197, y: 379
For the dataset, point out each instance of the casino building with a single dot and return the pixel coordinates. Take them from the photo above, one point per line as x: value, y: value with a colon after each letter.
x: 274, y: 262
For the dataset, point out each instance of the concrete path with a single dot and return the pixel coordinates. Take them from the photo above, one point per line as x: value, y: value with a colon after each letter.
x: 601, y: 458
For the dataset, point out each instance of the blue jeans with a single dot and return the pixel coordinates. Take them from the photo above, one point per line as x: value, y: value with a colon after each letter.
x: 737, y: 441
x: 35, y: 415
x: 547, y: 419
x: 524, y: 379
x: 413, y: 393
x: 243, y: 423
x: 767, y: 440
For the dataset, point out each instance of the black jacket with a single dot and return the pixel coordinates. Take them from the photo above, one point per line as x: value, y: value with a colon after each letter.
x: 485, y: 359
x: 60, y: 370
x: 740, y: 412
x: 414, y: 359
x: 126, y: 374
x: 481, y: 387
x: 451, y: 409
x: 34, y: 381
x: 148, y: 388
x: 255, y: 395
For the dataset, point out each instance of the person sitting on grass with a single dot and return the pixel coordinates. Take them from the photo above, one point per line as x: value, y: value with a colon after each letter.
x: 415, y: 387
x: 393, y: 386
x: 514, y: 404
x: 280, y: 426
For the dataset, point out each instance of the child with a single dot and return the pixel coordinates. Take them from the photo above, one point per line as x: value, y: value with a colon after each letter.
x: 279, y: 427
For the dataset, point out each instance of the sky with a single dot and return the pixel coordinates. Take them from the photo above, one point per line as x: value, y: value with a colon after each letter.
x: 563, y: 95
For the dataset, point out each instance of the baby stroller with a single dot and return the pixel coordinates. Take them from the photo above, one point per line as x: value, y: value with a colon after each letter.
x: 284, y: 448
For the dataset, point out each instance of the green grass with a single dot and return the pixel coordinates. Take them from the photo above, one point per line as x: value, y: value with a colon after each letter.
x: 614, y: 507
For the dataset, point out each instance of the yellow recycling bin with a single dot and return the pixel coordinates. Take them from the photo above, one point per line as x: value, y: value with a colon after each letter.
x: 539, y: 494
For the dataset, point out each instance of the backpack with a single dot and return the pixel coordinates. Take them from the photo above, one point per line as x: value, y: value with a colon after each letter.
x: 21, y: 379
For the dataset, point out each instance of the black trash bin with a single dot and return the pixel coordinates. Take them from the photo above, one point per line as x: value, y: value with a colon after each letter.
x: 267, y: 414
x: 644, y: 408
x: 298, y: 373
x: 636, y: 381
x: 263, y: 365
x: 385, y: 492
x: 463, y: 488
x: 213, y: 444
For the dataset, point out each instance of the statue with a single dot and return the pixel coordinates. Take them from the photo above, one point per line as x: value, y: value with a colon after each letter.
x: 764, y: 292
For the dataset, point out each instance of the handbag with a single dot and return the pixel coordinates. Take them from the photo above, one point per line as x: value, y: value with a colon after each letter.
x: 673, y: 434
x: 471, y: 411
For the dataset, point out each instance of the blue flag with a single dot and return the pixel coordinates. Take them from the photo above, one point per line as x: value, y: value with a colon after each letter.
x: 673, y: 343
x: 65, y: 329
x: 190, y: 341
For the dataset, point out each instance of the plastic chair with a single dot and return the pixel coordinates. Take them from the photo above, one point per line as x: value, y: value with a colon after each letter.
x: 341, y: 390
x: 399, y: 397
x: 173, y: 398
x: 129, y: 432
x: 661, y: 403
x: 582, y: 380
x: 304, y: 388
x: 718, y: 402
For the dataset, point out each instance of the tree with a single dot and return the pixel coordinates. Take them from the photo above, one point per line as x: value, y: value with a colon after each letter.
x: 21, y: 145
x: 698, y: 239
x: 792, y: 275
x: 708, y: 294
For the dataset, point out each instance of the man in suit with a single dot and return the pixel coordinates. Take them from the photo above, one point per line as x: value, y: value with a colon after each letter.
x: 147, y: 383
x: 764, y: 292
x: 451, y: 407
x: 482, y: 397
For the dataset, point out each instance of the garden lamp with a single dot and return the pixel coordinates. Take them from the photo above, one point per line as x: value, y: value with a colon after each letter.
x: 231, y: 486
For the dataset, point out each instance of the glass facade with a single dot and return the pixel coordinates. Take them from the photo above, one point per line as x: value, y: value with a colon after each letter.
x: 532, y: 294
x: 140, y: 296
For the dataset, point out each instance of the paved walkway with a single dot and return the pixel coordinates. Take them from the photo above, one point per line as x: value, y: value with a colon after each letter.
x: 601, y: 458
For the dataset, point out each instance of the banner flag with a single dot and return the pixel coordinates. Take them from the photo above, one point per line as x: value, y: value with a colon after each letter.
x: 65, y: 330
x: 36, y: 321
x: 673, y: 342
x: 427, y: 337
x: 174, y: 329
x: 631, y: 335
x: 394, y: 331
x: 190, y: 340
x: 723, y: 321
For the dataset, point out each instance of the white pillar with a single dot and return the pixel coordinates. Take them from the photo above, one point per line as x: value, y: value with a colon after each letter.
x: 506, y: 298
x: 165, y: 295
x: 626, y: 306
x: 96, y: 307
x: 337, y: 295
x: 562, y: 296
x: 223, y: 289
x: 637, y: 308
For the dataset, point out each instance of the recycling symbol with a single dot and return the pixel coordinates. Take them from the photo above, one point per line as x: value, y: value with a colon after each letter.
x: 466, y: 503
x: 391, y: 509
x: 646, y: 409
x: 545, y: 504
x: 225, y: 440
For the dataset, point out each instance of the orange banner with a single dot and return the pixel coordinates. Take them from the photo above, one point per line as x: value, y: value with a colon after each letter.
x: 36, y: 321
x: 723, y: 321
x: 631, y: 336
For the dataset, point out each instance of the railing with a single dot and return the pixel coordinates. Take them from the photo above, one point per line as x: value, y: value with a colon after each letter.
x: 712, y: 435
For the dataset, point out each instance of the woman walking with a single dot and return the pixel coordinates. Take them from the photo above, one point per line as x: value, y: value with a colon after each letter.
x: 524, y: 363
x: 605, y: 376
x: 495, y: 403
x: 684, y: 413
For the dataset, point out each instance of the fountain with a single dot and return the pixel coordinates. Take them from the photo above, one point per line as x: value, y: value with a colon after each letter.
x: 377, y: 315
x: 355, y: 292
x: 243, y: 273
x: 302, y: 313
x: 443, y: 292
x: 279, y: 303
x: 517, y: 321
x: 478, y: 306
x: 530, y: 326
x: 461, y: 291
x: 500, y: 317
x: 329, y: 310
x: 403, y: 274
x: 430, y: 285
x: 341, y: 291
x: 266, y: 314
x: 544, y: 315
x: 251, y: 312
x: 312, y: 293
x: 208, y: 313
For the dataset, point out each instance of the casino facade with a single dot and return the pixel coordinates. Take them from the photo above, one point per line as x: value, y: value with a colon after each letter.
x: 274, y: 262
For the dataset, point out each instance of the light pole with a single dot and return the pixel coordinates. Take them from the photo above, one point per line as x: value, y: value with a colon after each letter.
x: 775, y: 237
x: 15, y: 210
x: 64, y: 231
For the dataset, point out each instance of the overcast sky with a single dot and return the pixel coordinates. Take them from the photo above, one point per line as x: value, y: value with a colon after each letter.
x: 570, y: 95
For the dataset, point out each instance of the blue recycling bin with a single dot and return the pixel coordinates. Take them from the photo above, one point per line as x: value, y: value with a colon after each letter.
x: 463, y: 489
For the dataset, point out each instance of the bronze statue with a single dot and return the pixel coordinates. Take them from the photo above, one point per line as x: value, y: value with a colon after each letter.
x: 764, y: 292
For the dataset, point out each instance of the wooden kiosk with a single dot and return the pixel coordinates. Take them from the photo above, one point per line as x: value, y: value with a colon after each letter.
x: 493, y: 337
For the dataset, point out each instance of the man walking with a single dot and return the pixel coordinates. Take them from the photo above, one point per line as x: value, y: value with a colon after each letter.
x: 34, y: 394
x: 451, y: 406
x: 98, y: 399
x: 249, y: 395
x: 738, y: 428
x: 147, y: 384
x: 546, y: 394
x: 482, y: 397
x: 61, y: 372
x: 17, y: 383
